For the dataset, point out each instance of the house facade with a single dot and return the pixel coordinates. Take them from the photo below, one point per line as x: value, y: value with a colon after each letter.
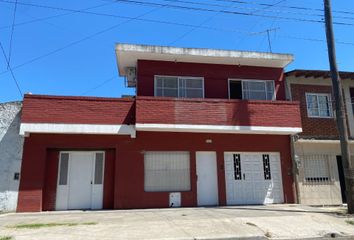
x: 207, y: 127
x: 317, y: 149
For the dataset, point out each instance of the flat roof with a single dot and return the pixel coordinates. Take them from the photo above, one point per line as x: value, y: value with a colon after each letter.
x: 318, y: 74
x: 128, y: 54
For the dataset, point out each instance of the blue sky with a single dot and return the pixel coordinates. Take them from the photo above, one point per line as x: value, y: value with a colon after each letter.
x: 58, y: 51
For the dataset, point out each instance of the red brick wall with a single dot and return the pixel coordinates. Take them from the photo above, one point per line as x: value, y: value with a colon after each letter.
x: 50, y: 182
x: 215, y: 76
x: 313, y: 127
x: 79, y: 110
x: 128, y: 167
x: 217, y: 112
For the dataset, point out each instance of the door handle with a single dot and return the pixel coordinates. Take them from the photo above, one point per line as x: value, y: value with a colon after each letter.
x: 91, y: 182
x: 244, y: 178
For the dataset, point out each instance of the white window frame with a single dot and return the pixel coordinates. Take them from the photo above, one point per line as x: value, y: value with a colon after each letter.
x: 251, y: 80
x: 178, y: 89
x: 329, y: 105
x: 171, y: 190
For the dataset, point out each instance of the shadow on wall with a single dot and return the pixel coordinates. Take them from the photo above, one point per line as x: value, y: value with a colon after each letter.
x: 11, y: 144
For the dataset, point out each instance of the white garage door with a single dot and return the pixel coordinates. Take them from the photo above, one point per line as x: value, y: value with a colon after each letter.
x: 253, y: 178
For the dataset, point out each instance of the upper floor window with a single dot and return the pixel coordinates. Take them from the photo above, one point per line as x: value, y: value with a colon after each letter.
x: 183, y: 87
x: 319, y: 105
x: 251, y: 89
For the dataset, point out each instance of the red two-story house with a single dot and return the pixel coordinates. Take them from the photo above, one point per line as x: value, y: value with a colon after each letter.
x: 206, y: 127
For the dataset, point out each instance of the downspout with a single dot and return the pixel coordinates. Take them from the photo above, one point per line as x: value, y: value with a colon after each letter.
x: 295, y: 167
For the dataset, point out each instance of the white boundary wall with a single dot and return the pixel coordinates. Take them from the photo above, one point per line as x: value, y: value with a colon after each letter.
x: 11, y: 144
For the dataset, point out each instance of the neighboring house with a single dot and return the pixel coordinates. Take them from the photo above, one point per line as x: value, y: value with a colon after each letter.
x: 207, y: 127
x: 10, y: 154
x: 317, y: 148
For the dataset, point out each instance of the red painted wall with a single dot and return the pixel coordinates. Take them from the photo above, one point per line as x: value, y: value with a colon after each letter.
x: 217, y: 112
x: 127, y: 182
x: 215, y: 76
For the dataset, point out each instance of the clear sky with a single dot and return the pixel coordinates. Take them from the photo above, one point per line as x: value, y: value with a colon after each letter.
x: 67, y: 47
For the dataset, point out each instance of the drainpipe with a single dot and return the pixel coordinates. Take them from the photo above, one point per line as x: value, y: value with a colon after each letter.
x: 295, y: 166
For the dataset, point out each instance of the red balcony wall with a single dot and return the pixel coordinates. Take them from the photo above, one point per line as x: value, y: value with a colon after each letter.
x: 77, y: 110
x: 217, y: 112
x: 215, y: 76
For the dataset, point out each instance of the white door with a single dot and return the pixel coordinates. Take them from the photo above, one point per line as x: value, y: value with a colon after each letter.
x: 253, y: 178
x: 80, y: 180
x: 207, y: 182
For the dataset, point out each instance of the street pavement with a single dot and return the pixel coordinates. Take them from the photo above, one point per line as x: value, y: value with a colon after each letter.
x: 236, y: 222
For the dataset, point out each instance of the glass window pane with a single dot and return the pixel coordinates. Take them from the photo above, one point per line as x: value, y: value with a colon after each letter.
x: 194, y: 83
x: 255, y: 85
x: 63, y: 170
x: 158, y: 92
x: 258, y: 95
x: 170, y: 83
x: 170, y: 92
x: 99, y: 168
x: 159, y: 82
x: 194, y: 93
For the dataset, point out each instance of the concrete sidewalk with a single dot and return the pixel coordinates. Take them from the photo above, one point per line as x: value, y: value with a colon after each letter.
x: 246, y: 222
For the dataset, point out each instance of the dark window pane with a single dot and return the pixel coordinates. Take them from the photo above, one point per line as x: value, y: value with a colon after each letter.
x: 63, y: 172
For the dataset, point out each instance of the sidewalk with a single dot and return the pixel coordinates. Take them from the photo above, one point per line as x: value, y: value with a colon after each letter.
x: 244, y: 222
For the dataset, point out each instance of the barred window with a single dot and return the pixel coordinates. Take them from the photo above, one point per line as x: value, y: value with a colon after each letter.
x: 316, y: 168
x: 167, y: 171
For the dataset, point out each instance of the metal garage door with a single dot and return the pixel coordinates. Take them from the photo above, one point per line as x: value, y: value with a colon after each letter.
x: 253, y: 178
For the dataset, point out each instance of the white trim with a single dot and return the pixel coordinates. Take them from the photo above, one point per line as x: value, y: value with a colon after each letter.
x: 321, y: 141
x: 217, y: 129
x: 123, y: 129
x: 329, y: 105
x: 178, y: 89
x: 249, y: 80
x: 128, y: 54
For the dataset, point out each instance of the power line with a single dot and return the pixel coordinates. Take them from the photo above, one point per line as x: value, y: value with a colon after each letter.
x: 145, y: 20
x: 288, y: 7
x: 136, y: 2
x: 54, y: 16
x: 12, y: 73
x: 99, y: 85
x: 12, y: 33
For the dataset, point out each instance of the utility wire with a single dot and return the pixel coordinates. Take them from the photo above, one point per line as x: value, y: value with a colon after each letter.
x: 99, y: 85
x: 12, y: 33
x: 12, y: 73
x: 288, y: 7
x: 54, y: 16
x: 136, y: 2
x: 150, y: 21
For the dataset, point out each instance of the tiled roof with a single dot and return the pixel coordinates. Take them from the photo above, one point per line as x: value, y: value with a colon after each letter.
x: 318, y: 73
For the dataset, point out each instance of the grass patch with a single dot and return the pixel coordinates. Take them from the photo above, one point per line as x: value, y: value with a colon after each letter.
x: 6, y: 238
x: 42, y: 225
x: 351, y: 222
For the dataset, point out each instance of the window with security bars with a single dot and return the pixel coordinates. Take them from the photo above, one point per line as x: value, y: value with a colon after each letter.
x: 266, y: 167
x: 166, y: 171
x: 237, y: 167
x: 182, y: 87
x: 316, y: 168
